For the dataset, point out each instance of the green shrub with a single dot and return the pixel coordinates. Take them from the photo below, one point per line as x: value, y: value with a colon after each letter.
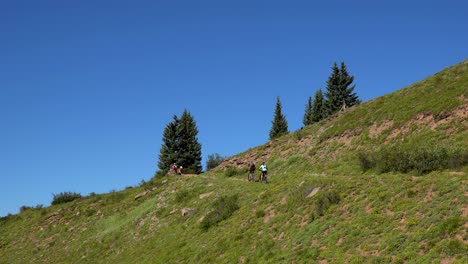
x: 406, y: 159
x: 232, y: 171
x: 25, y: 208
x: 65, y: 197
x: 260, y: 213
x: 324, y: 200
x: 183, y: 195
x: 365, y: 161
x: 224, y: 207
x: 451, y: 247
x: 159, y: 174
x: 5, y: 218
x: 300, y: 134
x: 38, y: 207
x: 213, y: 161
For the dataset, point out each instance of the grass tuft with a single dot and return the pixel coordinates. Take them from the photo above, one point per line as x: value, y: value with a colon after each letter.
x: 224, y: 207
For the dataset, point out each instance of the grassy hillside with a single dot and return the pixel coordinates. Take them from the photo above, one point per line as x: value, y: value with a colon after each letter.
x: 319, y: 207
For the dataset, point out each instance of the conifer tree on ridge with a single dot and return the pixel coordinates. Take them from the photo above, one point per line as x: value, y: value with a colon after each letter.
x: 169, y: 149
x: 279, y: 124
x: 307, y: 119
x: 189, y: 155
x: 318, y: 107
x: 180, y: 145
x: 339, y: 94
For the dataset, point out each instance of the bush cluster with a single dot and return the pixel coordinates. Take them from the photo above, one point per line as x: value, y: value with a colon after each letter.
x: 65, y: 197
x: 183, y: 195
x: 325, y: 200
x: 419, y: 160
x: 224, y: 207
x: 232, y: 171
x: 213, y: 161
x: 25, y: 207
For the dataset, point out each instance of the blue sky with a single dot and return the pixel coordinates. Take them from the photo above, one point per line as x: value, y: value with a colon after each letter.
x: 87, y: 87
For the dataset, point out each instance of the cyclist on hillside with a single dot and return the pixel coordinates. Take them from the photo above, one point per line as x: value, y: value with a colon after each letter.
x: 263, y: 174
x: 250, y: 177
x: 173, y: 169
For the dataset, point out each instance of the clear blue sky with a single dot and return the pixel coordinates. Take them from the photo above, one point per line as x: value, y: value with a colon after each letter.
x: 87, y: 87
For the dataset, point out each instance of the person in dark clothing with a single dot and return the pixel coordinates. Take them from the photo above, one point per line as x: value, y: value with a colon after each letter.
x: 250, y: 177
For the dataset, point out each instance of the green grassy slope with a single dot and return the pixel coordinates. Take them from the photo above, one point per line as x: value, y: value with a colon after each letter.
x: 354, y: 217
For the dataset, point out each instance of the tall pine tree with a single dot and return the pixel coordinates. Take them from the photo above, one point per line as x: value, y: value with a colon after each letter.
x: 279, y: 124
x: 189, y: 155
x: 180, y: 145
x: 318, y: 107
x: 169, y: 149
x: 339, y: 92
x: 307, y: 119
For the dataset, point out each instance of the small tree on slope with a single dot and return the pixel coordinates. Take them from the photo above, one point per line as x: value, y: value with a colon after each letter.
x: 339, y: 92
x: 180, y: 145
x: 189, y: 149
x: 307, y: 119
x: 279, y: 124
x: 318, y: 107
x: 169, y: 149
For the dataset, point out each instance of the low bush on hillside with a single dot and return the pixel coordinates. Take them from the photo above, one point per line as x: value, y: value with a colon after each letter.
x: 5, y: 218
x: 324, y: 198
x: 65, y: 197
x: 25, y: 207
x: 418, y: 160
x: 160, y: 173
x: 213, y: 161
x: 232, y: 171
x: 184, y: 195
x: 224, y: 207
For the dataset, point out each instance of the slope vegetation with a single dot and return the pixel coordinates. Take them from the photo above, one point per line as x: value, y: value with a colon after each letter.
x: 319, y: 206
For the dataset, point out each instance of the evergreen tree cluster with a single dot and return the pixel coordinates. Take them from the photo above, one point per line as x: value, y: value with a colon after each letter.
x: 338, y: 96
x: 180, y: 145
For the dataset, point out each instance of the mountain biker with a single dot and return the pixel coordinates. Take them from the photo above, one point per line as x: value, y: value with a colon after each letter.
x: 250, y: 177
x: 264, y: 170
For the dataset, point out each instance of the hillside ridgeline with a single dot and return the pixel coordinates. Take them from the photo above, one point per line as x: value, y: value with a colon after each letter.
x: 330, y: 198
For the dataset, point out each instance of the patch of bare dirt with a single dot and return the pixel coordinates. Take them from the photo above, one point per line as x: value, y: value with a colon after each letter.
x: 280, y: 237
x: 377, y: 129
x: 431, y: 121
x: 304, y: 220
x: 283, y: 200
x: 242, y: 160
x: 457, y: 173
x: 190, y: 175
x: 270, y: 214
x: 389, y: 212
x: 465, y: 211
x: 403, y: 224
x: 447, y: 260
x: 204, y: 195
x: 430, y: 194
x: 340, y: 241
x: 305, y: 142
